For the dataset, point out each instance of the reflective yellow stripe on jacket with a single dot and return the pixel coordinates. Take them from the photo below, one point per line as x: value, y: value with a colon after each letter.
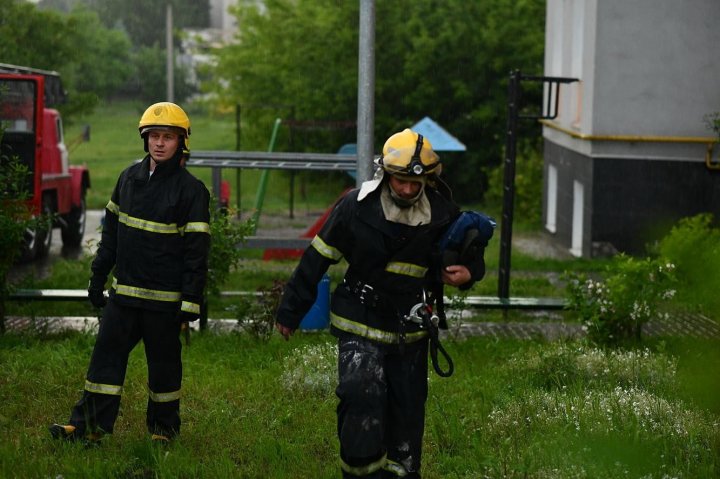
x: 406, y: 269
x: 144, y: 293
x: 154, y: 226
x: 366, y: 331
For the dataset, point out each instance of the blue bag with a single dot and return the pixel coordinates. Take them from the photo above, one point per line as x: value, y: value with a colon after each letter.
x: 456, y: 233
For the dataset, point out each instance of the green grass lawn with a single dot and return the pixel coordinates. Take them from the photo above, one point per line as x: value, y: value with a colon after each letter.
x: 255, y: 409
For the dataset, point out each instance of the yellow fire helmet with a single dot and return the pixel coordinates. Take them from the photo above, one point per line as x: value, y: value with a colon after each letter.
x: 408, y: 153
x: 165, y: 115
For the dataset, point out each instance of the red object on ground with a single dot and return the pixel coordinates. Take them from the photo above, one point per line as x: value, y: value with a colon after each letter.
x: 290, y: 253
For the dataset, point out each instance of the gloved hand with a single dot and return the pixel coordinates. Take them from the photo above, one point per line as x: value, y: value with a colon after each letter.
x: 187, y: 317
x: 96, y: 292
x: 189, y: 302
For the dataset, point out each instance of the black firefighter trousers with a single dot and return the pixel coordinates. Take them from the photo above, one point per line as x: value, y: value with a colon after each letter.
x: 381, y: 413
x: 121, y: 328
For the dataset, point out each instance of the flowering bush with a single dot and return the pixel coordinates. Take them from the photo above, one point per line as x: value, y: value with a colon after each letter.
x: 311, y: 369
x: 613, y: 310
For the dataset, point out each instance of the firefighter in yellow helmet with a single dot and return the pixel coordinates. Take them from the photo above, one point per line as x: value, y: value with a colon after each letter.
x: 155, y: 240
x: 381, y: 313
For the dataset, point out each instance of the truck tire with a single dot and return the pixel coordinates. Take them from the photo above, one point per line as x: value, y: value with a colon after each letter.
x: 38, y: 239
x: 74, y: 228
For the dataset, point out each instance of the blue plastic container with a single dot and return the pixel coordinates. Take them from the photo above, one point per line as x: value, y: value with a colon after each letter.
x: 319, y: 315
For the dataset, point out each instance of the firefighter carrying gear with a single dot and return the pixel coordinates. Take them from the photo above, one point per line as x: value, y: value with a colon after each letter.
x: 383, y: 360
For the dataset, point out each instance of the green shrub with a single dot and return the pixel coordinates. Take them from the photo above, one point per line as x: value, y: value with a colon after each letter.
x: 694, y: 246
x: 15, y: 218
x: 614, y: 309
x: 225, y: 234
x: 256, y: 313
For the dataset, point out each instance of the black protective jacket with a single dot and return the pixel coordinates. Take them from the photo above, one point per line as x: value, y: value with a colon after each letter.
x: 389, y: 265
x: 156, y: 236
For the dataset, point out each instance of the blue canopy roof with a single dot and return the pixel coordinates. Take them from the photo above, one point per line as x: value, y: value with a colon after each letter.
x: 440, y: 139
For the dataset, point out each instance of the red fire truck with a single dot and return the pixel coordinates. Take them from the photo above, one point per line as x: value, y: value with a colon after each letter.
x: 33, y: 132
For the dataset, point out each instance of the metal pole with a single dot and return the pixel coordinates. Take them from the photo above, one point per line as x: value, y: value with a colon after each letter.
x: 508, y: 185
x: 366, y: 91
x: 169, y: 49
x: 238, y: 171
x: 262, y: 187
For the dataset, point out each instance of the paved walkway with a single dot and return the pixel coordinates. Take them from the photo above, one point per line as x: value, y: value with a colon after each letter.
x: 690, y: 325
x: 549, y: 327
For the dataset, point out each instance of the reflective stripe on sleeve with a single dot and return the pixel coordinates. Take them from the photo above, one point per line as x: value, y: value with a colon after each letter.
x: 113, y: 207
x: 190, y: 307
x: 406, y: 269
x: 144, y: 293
x: 325, y: 249
x: 195, y: 227
x: 366, y: 331
x: 103, y: 388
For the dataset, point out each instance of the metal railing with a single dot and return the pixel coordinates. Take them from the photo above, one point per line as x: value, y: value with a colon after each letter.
x: 219, y: 160
x: 481, y: 302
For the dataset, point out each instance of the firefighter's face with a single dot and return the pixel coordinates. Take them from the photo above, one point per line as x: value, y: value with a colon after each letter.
x: 162, y: 144
x: 405, y: 189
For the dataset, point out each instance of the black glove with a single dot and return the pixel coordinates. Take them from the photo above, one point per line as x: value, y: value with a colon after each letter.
x: 187, y: 317
x: 96, y: 292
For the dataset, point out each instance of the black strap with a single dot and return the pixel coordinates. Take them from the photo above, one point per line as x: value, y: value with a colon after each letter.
x: 435, y: 346
x: 418, y: 148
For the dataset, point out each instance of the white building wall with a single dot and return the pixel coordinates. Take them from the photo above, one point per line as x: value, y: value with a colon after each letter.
x: 646, y: 68
x: 658, y: 66
x: 626, y: 156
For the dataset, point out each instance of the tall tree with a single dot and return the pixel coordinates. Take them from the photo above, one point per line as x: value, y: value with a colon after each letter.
x: 92, y: 60
x: 100, y: 56
x: 448, y: 59
x: 31, y: 37
x: 295, y: 59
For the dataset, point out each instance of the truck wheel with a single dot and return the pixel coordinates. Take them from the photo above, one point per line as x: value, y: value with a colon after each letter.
x: 74, y: 229
x: 39, y: 239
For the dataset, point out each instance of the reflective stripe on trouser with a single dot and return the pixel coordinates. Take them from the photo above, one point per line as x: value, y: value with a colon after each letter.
x: 121, y: 328
x: 381, y: 414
